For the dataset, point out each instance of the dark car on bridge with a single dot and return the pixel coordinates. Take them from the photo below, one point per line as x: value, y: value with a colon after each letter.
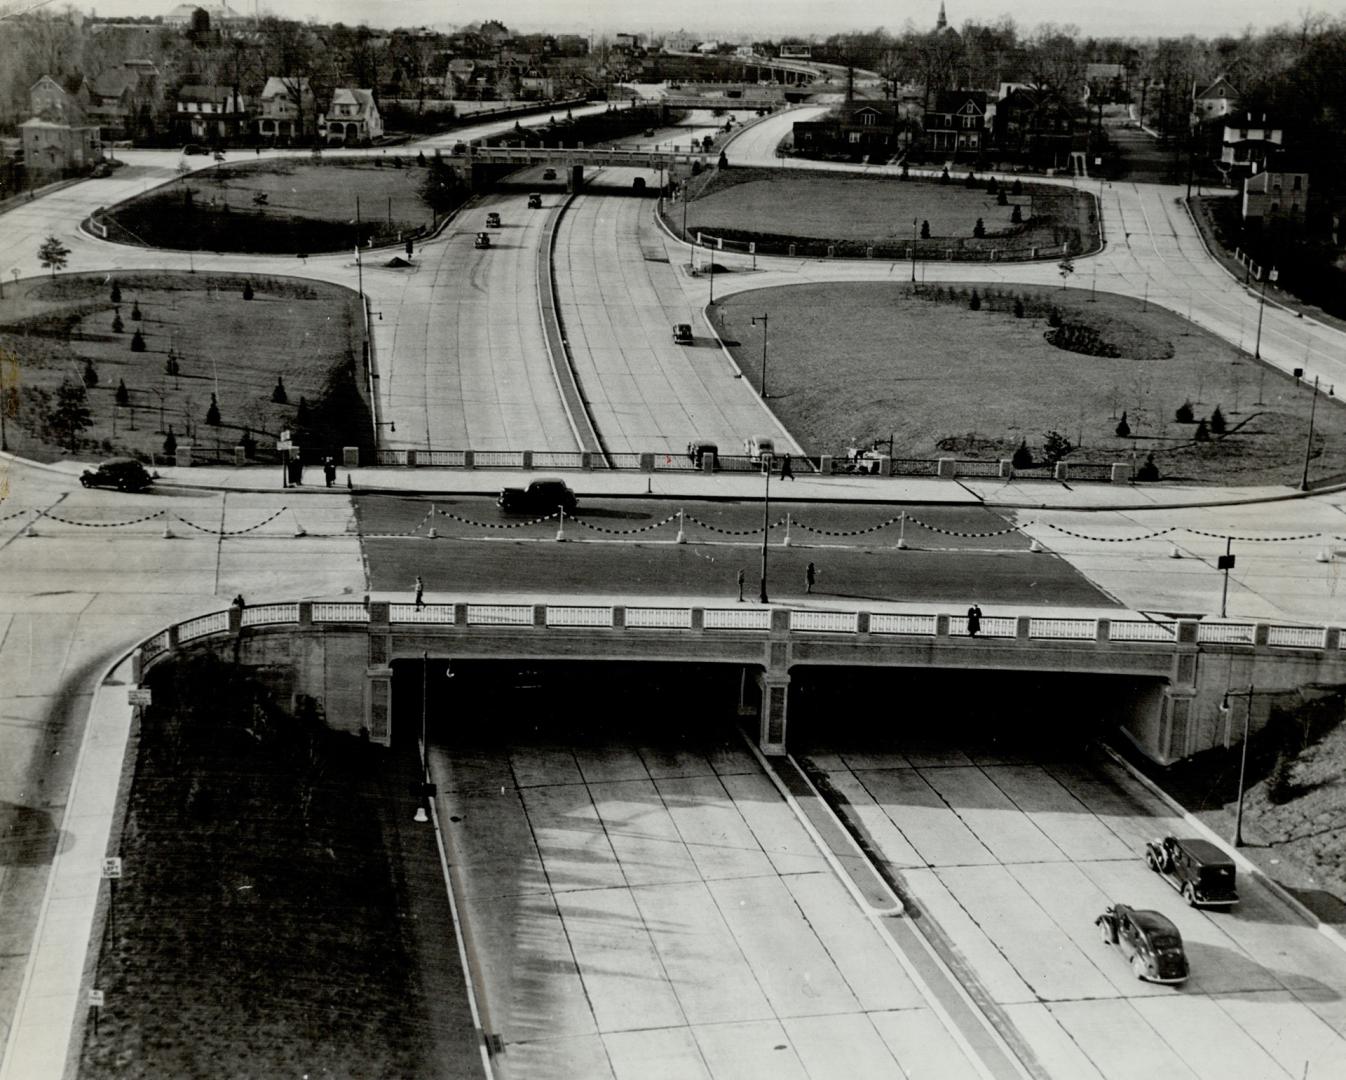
x: 483, y: 240
x: 1196, y: 868
x: 543, y: 496
x: 1148, y: 940
x: 534, y: 200
x: 124, y: 474
x: 548, y: 174
x: 493, y: 220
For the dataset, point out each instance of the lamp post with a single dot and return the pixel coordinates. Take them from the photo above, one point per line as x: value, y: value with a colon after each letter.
x: 421, y: 815
x: 763, y: 320
x: 766, y: 524
x: 913, y: 251
x: 359, y: 263
x: 1261, y: 310
x: 1308, y: 443
x: 1243, y: 754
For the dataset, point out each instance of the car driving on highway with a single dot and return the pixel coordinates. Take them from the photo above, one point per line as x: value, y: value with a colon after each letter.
x: 1196, y: 868
x: 543, y: 496
x: 493, y: 220
x: 124, y: 474
x: 534, y: 200
x: 483, y: 240
x: 1148, y: 940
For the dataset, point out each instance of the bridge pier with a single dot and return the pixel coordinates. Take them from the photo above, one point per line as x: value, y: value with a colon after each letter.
x: 575, y: 179
x: 771, y: 716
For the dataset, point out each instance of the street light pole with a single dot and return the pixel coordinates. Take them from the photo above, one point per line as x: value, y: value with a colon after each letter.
x: 359, y: 263
x: 766, y: 524
x: 913, y: 251
x: 1308, y: 444
x: 763, y: 320
x: 1261, y: 310
x: 1243, y: 766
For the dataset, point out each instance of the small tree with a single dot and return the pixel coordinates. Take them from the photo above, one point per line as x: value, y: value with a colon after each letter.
x: 90, y: 375
x: 213, y: 413
x: 1001, y: 199
x: 991, y: 186
x: 979, y: 229
x: 1055, y: 446
x: 1183, y: 413
x: 1217, y: 422
x: 170, y: 443
x: 1281, y: 787
x: 247, y: 290
x: 975, y: 301
x: 70, y: 414
x: 970, y: 181
x: 723, y: 163
x: 53, y: 254
x: 1149, y: 472
x: 1018, y: 308
x: 1016, y: 215
x: 905, y: 173
x: 1054, y: 318
x: 1017, y: 188
x: 116, y: 293
x: 138, y: 345
x: 925, y: 230
x: 420, y: 158
x: 278, y: 394
x: 123, y: 396
x: 944, y: 176
x: 171, y: 366
x: 1123, y: 429
x: 1023, y: 457
x: 117, y: 325
x: 135, y: 310
x: 1202, y: 433
x: 249, y: 444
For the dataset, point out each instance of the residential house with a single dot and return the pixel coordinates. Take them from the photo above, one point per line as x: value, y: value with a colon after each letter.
x: 58, y: 138
x: 209, y: 114
x: 1218, y: 100
x: 1247, y: 143
x: 1041, y: 127
x: 1277, y: 193
x: 861, y: 130
x: 221, y: 14
x: 287, y: 110
x: 956, y: 124
x: 126, y: 102
x: 627, y: 41
x: 1106, y: 82
x: 352, y: 119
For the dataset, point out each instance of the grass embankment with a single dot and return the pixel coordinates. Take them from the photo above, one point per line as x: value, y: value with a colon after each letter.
x: 262, y: 926
x: 279, y: 206
x: 307, y: 333
x: 779, y: 207
x: 849, y: 364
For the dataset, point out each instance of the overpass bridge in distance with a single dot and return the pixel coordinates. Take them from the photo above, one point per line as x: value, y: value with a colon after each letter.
x: 1166, y: 682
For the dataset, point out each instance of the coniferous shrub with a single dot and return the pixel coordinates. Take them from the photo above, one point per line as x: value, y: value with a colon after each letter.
x: 975, y: 302
x: 1023, y: 457
x: 138, y: 345
x: 123, y: 396
x: 1123, y: 429
x: 1183, y: 413
x: 213, y: 413
x: 1016, y: 215
x: 1217, y: 422
x: 979, y: 229
x: 925, y: 230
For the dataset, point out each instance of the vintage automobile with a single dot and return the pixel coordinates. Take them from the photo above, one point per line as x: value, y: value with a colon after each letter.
x: 483, y: 240
x: 124, y: 474
x: 758, y: 447
x: 682, y: 333
x: 548, y: 174
x: 1196, y: 868
x: 194, y: 149
x: 493, y: 220
x: 702, y: 450
x: 1149, y: 941
x: 543, y: 496
x: 534, y: 200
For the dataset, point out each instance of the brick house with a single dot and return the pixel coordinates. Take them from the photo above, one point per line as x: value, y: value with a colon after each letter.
x: 867, y: 130
x: 126, y: 102
x: 955, y: 125
x: 1041, y: 127
x: 1277, y: 194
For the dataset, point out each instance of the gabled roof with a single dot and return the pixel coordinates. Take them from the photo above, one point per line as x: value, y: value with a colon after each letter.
x: 282, y: 86
x: 1220, y: 88
x: 114, y: 82
x: 953, y: 101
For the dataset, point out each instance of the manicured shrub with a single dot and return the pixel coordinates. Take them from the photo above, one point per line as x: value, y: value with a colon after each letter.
x: 135, y: 310
x: 991, y: 186
x: 1016, y: 215
x: 116, y: 293
x: 1202, y: 431
x: 925, y: 230
x: 247, y: 290
x: 170, y: 444
x: 1017, y: 188
x: 1123, y: 429
x: 123, y: 396
x: 278, y: 394
x: 970, y: 181
x: 1149, y: 472
x: 944, y: 176
x: 979, y: 229
x: 1183, y: 413
x: 975, y: 302
x: 213, y: 413
x: 1001, y: 199
x: 1023, y: 457
x: 1018, y: 308
x: 1217, y: 422
x: 117, y: 325
x: 90, y: 376
x: 138, y: 345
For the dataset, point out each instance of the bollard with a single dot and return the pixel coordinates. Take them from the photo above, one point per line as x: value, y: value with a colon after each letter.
x: 681, y: 538
x: 168, y: 531
x: 561, y: 523
x: 786, y: 542
x: 298, y: 529
x: 432, y: 534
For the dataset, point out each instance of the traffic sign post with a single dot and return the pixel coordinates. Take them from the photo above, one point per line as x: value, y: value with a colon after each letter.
x: 1226, y: 563
x: 139, y: 696
x: 96, y: 1004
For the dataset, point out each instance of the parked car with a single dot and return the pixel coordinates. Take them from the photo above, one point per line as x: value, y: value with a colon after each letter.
x: 759, y: 446
x: 101, y: 170
x: 493, y: 220
x: 1149, y: 941
x: 483, y: 240
x: 542, y: 496
x: 649, y: 133
x: 1196, y: 868
x: 124, y: 474
x: 700, y: 450
x: 682, y: 333
x: 534, y: 200
x: 193, y: 149
x: 548, y: 174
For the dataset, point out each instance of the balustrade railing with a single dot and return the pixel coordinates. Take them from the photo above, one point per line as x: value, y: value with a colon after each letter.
x: 439, y: 614
x: 1066, y: 629
x: 216, y: 622
x: 499, y: 614
x: 658, y: 618
x: 831, y: 622
x: 737, y: 619
x: 1226, y: 633
x: 345, y: 613
x: 1142, y: 630
x: 1297, y: 637
x: 916, y: 625
x: 578, y: 616
x: 267, y: 614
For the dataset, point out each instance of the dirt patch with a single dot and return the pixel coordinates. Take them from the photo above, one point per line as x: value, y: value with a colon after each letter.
x: 854, y: 364
x: 852, y: 213
x: 306, y: 334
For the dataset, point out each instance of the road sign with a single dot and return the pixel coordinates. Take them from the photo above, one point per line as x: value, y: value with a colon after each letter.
x: 112, y: 868
x: 284, y: 444
x: 96, y: 998
x: 139, y: 695
x: 1225, y: 562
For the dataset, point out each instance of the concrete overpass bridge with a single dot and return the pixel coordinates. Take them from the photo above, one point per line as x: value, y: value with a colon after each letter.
x: 1162, y: 680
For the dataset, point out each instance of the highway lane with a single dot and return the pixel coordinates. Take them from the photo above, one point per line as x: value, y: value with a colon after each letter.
x: 1012, y: 847
x: 619, y: 295
x: 481, y: 551
x: 645, y: 904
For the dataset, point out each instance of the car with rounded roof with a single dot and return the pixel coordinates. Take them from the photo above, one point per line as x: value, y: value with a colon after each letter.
x: 1148, y: 940
x: 124, y: 474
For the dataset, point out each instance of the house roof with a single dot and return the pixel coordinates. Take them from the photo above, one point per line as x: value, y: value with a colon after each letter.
x: 363, y: 100
x: 203, y: 92
x: 952, y: 101
x: 281, y: 86
x: 1220, y: 88
x: 114, y: 82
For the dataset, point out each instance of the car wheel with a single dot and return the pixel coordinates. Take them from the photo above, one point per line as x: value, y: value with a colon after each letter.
x: 1189, y: 894
x: 84, y: 481
x: 1152, y: 861
x: 1105, y: 932
x: 1138, y: 966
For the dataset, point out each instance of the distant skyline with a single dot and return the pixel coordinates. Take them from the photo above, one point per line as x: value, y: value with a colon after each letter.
x: 771, y: 18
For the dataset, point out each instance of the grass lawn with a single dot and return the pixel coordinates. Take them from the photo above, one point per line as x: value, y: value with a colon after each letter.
x: 782, y: 206
x: 308, y: 207
x: 849, y: 364
x: 264, y: 927
x: 305, y: 332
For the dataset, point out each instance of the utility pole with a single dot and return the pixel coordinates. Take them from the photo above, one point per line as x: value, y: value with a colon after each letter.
x: 1272, y: 275
x: 913, y: 251
x: 766, y: 524
x: 359, y: 264
x: 763, y: 320
x: 1308, y: 444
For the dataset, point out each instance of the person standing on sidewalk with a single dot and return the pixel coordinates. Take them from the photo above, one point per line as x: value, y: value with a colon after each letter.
x: 420, y: 592
x: 787, y: 471
x: 810, y: 576
x: 742, y: 578
x: 973, y: 620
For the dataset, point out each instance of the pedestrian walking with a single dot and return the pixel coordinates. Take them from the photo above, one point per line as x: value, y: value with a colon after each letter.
x: 973, y: 620
x: 810, y: 576
x: 239, y: 603
x: 329, y: 471
x: 742, y: 577
x: 786, y: 469
x: 420, y: 593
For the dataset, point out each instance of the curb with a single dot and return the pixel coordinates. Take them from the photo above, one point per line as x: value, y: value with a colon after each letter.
x: 1276, y: 888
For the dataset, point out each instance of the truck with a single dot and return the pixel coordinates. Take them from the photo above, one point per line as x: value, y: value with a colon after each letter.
x: 543, y: 496
x: 1198, y: 869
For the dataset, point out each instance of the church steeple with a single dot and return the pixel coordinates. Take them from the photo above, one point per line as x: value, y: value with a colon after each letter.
x: 942, y: 22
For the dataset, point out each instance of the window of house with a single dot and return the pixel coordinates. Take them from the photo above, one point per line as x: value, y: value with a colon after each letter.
x: 868, y: 119
x: 1299, y: 182
x: 855, y: 136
